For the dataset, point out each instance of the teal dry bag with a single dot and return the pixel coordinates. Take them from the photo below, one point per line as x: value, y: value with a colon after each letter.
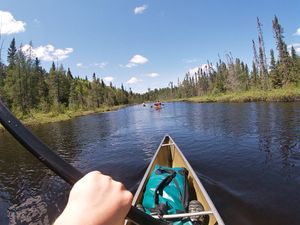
x: 167, y: 193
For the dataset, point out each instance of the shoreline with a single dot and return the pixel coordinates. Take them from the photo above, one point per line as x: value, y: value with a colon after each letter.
x: 38, y: 118
x: 291, y: 94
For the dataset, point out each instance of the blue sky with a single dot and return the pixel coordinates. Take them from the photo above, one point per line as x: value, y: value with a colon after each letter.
x: 143, y: 44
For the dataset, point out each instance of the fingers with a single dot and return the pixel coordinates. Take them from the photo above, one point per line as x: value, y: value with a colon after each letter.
x: 104, y: 180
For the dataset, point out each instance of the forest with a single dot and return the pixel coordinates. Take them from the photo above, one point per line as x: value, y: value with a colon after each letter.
x: 232, y: 75
x: 26, y: 87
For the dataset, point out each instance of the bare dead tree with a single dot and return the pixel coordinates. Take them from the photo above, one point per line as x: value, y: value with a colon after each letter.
x: 232, y: 80
x: 263, y: 71
x: 255, y: 57
x: 262, y: 44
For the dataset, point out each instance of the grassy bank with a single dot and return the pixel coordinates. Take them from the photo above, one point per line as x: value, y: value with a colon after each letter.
x: 35, y: 118
x: 287, y: 94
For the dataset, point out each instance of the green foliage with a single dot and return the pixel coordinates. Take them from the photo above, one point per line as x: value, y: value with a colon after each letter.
x: 26, y: 86
x: 11, y: 53
x: 235, y: 77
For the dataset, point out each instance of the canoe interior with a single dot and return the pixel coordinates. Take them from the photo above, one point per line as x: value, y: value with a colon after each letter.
x: 169, y: 155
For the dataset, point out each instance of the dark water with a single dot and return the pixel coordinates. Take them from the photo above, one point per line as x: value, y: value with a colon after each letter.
x: 246, y: 155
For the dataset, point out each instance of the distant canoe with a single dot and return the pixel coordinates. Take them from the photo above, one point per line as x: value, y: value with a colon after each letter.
x: 168, y: 154
x: 157, y: 106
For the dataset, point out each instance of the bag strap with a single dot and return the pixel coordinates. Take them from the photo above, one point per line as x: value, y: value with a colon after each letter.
x: 161, y: 208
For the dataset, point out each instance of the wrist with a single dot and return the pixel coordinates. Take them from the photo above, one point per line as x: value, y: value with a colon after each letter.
x: 68, y: 218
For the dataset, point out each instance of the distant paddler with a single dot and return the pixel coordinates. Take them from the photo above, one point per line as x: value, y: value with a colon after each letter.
x: 144, y: 105
x: 157, y: 105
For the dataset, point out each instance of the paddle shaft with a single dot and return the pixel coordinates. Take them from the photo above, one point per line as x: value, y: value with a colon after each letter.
x: 54, y: 162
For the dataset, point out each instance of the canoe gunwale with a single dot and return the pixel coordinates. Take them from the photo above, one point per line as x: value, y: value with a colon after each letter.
x: 191, y: 171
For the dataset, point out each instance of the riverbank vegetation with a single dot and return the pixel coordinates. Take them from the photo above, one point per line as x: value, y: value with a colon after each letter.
x: 29, y: 90
x: 286, y: 94
x: 35, y: 94
x: 232, y: 80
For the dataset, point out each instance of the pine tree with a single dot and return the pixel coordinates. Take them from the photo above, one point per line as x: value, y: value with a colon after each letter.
x: 284, y: 59
x: 34, y: 81
x: 95, y: 86
x: 69, y: 75
x: 11, y: 54
x: 254, y: 77
x: 16, y: 85
x: 276, y: 77
x: 64, y: 86
x: 221, y: 77
x: 53, y: 84
x: 295, y: 70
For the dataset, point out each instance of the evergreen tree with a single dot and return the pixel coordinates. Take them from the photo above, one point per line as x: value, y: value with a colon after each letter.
x: 16, y: 84
x: 295, y: 70
x: 53, y: 84
x: 284, y: 59
x: 69, y: 75
x: 64, y: 86
x: 254, y: 77
x: 221, y: 77
x: 276, y: 76
x: 11, y: 53
x: 35, y: 77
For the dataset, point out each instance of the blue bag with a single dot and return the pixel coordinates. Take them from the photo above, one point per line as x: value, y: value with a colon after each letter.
x: 167, y: 193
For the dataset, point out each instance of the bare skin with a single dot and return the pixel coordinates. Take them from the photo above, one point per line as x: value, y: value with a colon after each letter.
x: 96, y: 199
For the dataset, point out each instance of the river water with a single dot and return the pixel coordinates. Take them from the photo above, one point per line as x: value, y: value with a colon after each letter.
x: 247, y: 156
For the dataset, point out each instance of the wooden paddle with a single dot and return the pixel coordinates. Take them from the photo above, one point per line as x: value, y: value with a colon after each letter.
x: 54, y: 162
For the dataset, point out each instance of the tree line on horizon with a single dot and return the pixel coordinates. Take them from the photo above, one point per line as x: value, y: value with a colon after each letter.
x: 233, y: 75
x: 26, y: 86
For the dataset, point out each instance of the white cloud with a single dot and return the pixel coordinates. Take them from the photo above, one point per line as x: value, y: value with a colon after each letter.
x: 204, y: 67
x: 101, y: 64
x: 108, y: 79
x: 152, y: 75
x: 136, y: 60
x: 133, y: 80
x: 140, y: 9
x: 47, y: 52
x: 62, y: 53
x: 9, y: 25
x: 297, y: 32
x: 80, y: 65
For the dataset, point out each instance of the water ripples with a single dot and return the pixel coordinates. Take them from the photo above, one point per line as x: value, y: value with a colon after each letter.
x: 246, y: 155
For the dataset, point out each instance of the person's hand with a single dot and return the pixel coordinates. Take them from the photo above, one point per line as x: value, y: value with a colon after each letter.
x: 96, y: 199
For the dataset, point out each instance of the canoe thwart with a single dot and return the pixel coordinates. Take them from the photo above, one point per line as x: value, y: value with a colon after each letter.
x: 182, y: 215
x: 170, y: 144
